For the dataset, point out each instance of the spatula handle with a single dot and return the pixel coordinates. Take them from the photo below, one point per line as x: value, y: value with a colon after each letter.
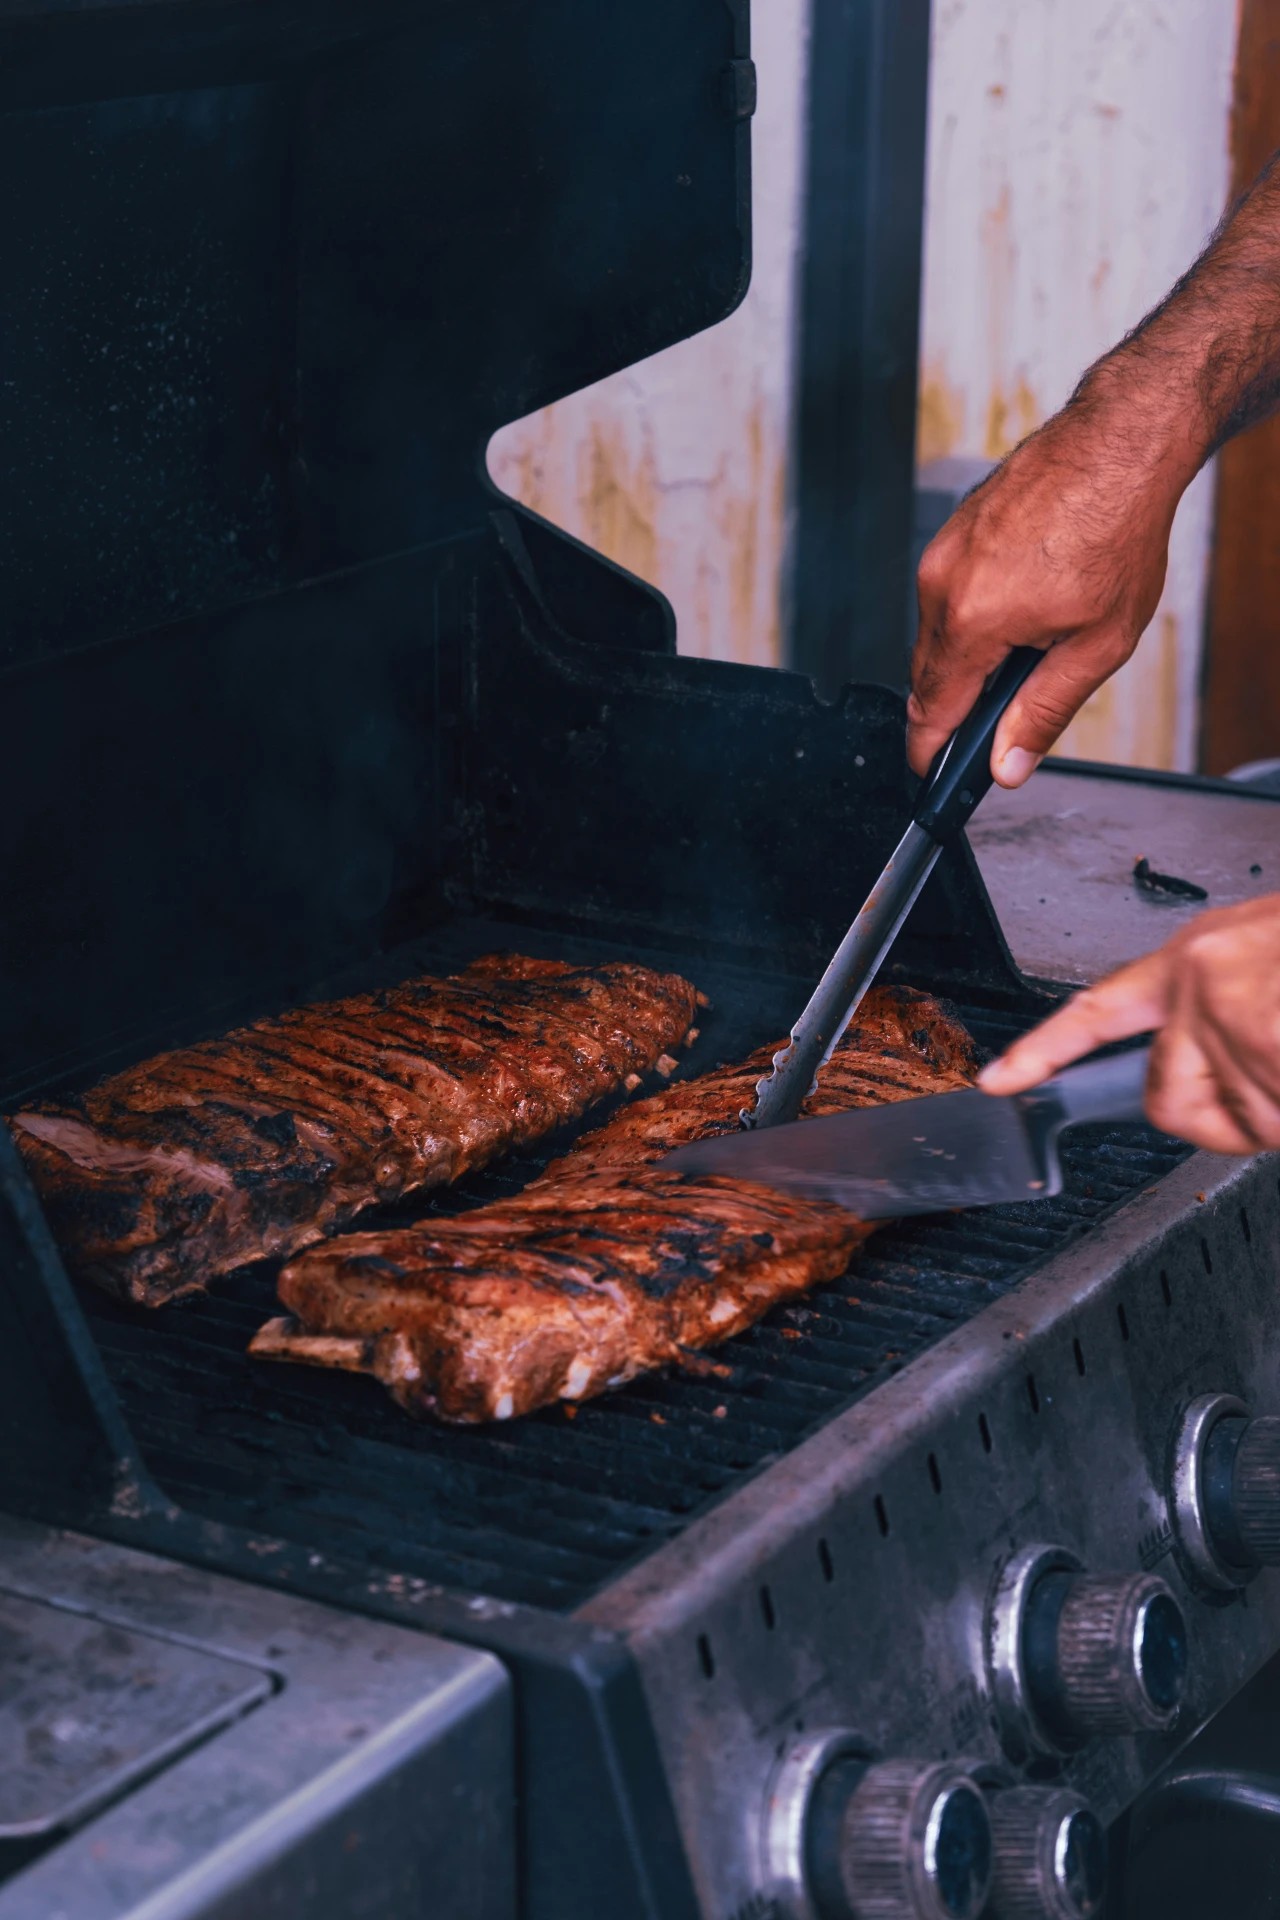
x: 1110, y: 1089
x: 961, y: 774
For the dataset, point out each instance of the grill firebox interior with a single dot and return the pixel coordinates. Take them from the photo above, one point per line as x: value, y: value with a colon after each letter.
x: 545, y: 1510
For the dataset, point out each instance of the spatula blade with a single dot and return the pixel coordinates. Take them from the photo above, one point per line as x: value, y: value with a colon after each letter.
x: 965, y: 1149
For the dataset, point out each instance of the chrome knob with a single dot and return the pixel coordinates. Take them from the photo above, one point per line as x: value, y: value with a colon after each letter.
x: 1241, y: 1489
x: 1203, y: 1502
x: 1050, y: 1856
x: 1070, y: 1655
x: 899, y: 1840
x: 1255, y: 1490
x: 1104, y: 1656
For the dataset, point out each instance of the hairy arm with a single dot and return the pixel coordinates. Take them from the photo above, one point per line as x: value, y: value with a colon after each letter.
x: 1065, y: 546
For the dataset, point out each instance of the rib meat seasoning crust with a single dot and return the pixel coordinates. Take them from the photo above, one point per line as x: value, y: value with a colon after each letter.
x: 179, y: 1169
x: 606, y: 1266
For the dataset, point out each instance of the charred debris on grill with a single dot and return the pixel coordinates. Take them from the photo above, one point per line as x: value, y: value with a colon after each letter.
x: 1165, y: 886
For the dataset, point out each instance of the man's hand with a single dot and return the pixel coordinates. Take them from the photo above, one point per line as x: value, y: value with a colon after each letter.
x: 1213, y: 993
x: 1063, y: 547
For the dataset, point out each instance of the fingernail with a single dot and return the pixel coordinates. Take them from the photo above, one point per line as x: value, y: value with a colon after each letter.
x: 992, y: 1075
x: 1018, y: 765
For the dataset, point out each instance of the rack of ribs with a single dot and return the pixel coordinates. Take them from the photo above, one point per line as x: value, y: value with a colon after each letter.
x: 606, y: 1265
x: 190, y: 1164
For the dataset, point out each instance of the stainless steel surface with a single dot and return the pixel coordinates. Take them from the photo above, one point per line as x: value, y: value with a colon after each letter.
x: 1255, y: 1490
x: 1051, y: 1416
x: 1050, y: 1856
x: 914, y: 1843
x: 966, y: 1149
x: 1021, y: 1732
x: 784, y: 1869
x: 851, y: 970
x: 87, y: 1708
x: 376, y: 1780
x: 1116, y: 1673
x: 1187, y: 1503
x: 1057, y: 857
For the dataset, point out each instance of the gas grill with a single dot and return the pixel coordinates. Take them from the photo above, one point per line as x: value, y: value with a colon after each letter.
x: 295, y: 704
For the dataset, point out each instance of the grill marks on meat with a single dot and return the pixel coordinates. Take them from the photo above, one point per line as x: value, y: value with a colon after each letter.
x: 900, y: 1043
x: 607, y: 1265
x: 192, y: 1163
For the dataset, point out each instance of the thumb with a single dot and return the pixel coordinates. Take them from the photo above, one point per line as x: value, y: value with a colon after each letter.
x: 1071, y: 670
x: 1131, y: 1001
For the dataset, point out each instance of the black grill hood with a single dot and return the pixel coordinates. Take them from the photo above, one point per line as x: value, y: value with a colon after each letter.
x: 283, y: 678
x: 271, y: 275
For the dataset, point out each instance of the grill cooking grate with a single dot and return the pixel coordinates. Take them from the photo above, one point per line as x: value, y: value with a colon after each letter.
x: 547, y: 1509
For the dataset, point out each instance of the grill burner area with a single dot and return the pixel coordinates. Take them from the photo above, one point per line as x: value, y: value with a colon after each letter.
x: 547, y: 1509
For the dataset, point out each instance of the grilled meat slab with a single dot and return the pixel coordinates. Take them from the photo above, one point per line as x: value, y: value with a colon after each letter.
x: 607, y: 1265
x: 192, y: 1163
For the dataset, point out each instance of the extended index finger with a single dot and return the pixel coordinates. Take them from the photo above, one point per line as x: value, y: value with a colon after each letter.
x: 1128, y: 1002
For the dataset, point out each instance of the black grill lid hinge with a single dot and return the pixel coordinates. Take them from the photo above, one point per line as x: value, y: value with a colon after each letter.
x: 738, y: 89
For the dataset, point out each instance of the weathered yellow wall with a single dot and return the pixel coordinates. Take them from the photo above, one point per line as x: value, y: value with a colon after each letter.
x: 1078, y: 159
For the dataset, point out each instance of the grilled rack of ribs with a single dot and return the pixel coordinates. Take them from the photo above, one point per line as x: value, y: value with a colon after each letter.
x: 194, y: 1162
x: 606, y: 1266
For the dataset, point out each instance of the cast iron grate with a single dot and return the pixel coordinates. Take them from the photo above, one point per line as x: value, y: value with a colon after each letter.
x: 545, y: 1510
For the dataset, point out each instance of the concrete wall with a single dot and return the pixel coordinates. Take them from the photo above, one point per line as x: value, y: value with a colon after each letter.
x: 1078, y: 159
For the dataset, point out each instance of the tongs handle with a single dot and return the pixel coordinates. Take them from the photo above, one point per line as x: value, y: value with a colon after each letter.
x: 961, y: 774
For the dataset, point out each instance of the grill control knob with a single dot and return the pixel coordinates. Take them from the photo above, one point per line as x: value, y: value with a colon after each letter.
x: 1050, y: 1856
x: 898, y: 1841
x: 1071, y: 1655
x: 1242, y: 1491
x: 1104, y: 1656
x: 1226, y: 1491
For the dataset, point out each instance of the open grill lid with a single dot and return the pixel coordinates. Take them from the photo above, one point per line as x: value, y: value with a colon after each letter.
x: 274, y: 276
x: 277, y: 272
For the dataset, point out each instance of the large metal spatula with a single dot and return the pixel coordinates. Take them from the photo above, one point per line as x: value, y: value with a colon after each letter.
x: 966, y: 1149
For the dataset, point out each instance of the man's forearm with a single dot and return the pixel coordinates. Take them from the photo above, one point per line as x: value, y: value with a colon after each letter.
x: 1065, y: 546
x: 1205, y: 363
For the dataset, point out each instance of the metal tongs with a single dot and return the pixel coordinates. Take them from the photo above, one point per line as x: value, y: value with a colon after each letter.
x: 957, y: 781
